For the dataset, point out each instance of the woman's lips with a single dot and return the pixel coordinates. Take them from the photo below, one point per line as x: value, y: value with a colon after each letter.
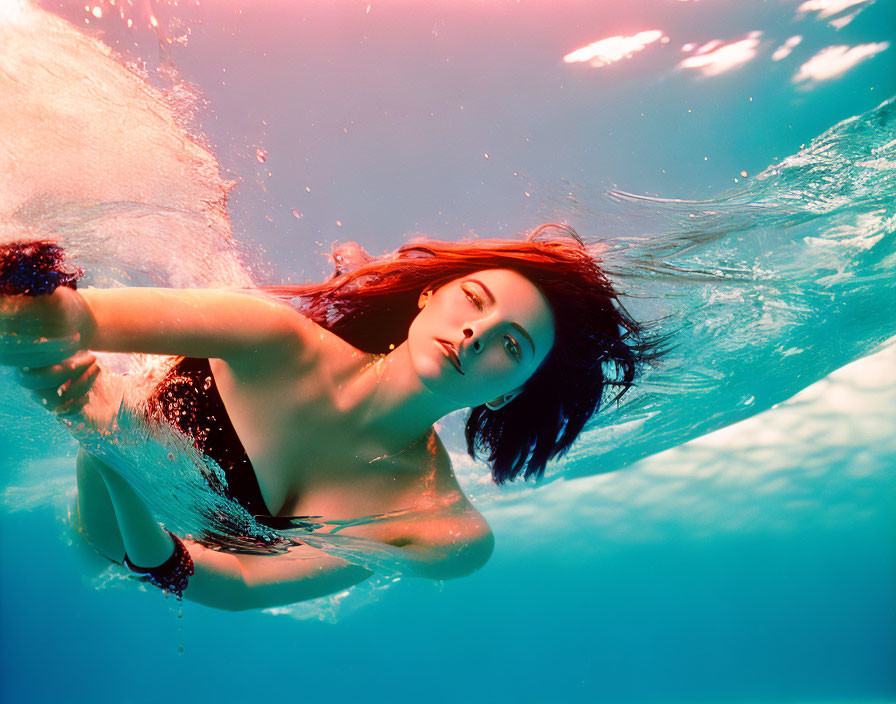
x: 451, y: 354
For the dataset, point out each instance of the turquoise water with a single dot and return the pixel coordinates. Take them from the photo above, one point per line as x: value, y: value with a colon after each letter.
x: 755, y: 563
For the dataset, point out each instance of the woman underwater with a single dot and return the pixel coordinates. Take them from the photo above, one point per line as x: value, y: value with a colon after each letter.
x: 328, y: 409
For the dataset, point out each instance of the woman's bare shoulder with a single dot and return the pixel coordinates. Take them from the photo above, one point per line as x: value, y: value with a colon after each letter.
x: 444, y: 472
x: 300, y: 345
x: 458, y: 539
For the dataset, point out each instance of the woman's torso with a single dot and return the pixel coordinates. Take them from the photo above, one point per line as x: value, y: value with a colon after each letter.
x: 310, y: 459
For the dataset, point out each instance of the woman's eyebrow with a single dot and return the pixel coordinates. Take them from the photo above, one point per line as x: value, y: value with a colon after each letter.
x: 515, y: 326
x: 488, y: 293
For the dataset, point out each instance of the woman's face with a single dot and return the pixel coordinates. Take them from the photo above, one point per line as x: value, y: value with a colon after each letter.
x: 480, y: 336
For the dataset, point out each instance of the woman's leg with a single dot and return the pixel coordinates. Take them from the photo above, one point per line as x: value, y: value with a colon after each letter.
x: 136, y: 532
x: 97, y: 523
x: 80, y: 391
x: 113, y: 517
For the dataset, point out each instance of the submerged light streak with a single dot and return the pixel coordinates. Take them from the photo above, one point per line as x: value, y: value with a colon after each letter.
x: 613, y: 49
x: 715, y: 57
x: 834, y: 61
x: 783, y: 51
x: 828, y: 8
x: 840, y: 22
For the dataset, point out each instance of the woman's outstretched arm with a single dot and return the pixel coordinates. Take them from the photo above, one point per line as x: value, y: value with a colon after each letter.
x: 228, y: 324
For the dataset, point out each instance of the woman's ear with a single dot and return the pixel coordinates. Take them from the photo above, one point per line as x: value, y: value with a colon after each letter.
x: 499, y: 403
x: 424, y: 298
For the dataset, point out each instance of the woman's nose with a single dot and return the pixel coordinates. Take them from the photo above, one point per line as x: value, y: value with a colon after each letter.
x: 475, y: 343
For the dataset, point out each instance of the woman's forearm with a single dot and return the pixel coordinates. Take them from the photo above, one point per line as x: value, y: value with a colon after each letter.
x: 145, y: 541
x: 240, y: 582
x: 224, y: 323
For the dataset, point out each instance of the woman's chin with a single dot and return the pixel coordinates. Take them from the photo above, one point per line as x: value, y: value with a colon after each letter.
x: 441, y: 387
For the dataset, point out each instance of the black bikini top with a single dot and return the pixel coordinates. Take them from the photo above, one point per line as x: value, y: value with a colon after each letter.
x: 188, y: 399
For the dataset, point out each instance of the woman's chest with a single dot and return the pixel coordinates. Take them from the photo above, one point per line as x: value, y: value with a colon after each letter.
x: 307, y: 457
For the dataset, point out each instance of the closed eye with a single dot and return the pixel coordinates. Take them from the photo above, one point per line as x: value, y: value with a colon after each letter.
x: 476, y: 300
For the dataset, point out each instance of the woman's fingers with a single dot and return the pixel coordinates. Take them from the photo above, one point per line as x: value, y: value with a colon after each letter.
x: 63, y: 387
x: 77, y: 394
x: 54, y: 375
x: 71, y: 393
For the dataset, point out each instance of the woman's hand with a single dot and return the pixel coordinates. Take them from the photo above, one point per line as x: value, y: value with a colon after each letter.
x: 42, y: 331
x: 64, y: 387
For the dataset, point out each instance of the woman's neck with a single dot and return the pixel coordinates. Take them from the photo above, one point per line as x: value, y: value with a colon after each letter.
x: 387, y: 399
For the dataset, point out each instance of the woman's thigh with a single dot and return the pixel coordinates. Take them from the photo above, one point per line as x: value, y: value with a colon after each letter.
x: 96, y: 515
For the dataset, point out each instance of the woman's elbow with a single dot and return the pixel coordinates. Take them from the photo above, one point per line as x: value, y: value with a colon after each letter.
x: 466, y: 560
x: 232, y: 598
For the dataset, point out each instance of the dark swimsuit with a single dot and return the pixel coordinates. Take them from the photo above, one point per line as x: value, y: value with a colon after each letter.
x: 188, y: 399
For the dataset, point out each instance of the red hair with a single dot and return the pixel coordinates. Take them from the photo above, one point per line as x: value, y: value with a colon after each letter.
x: 370, y: 303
